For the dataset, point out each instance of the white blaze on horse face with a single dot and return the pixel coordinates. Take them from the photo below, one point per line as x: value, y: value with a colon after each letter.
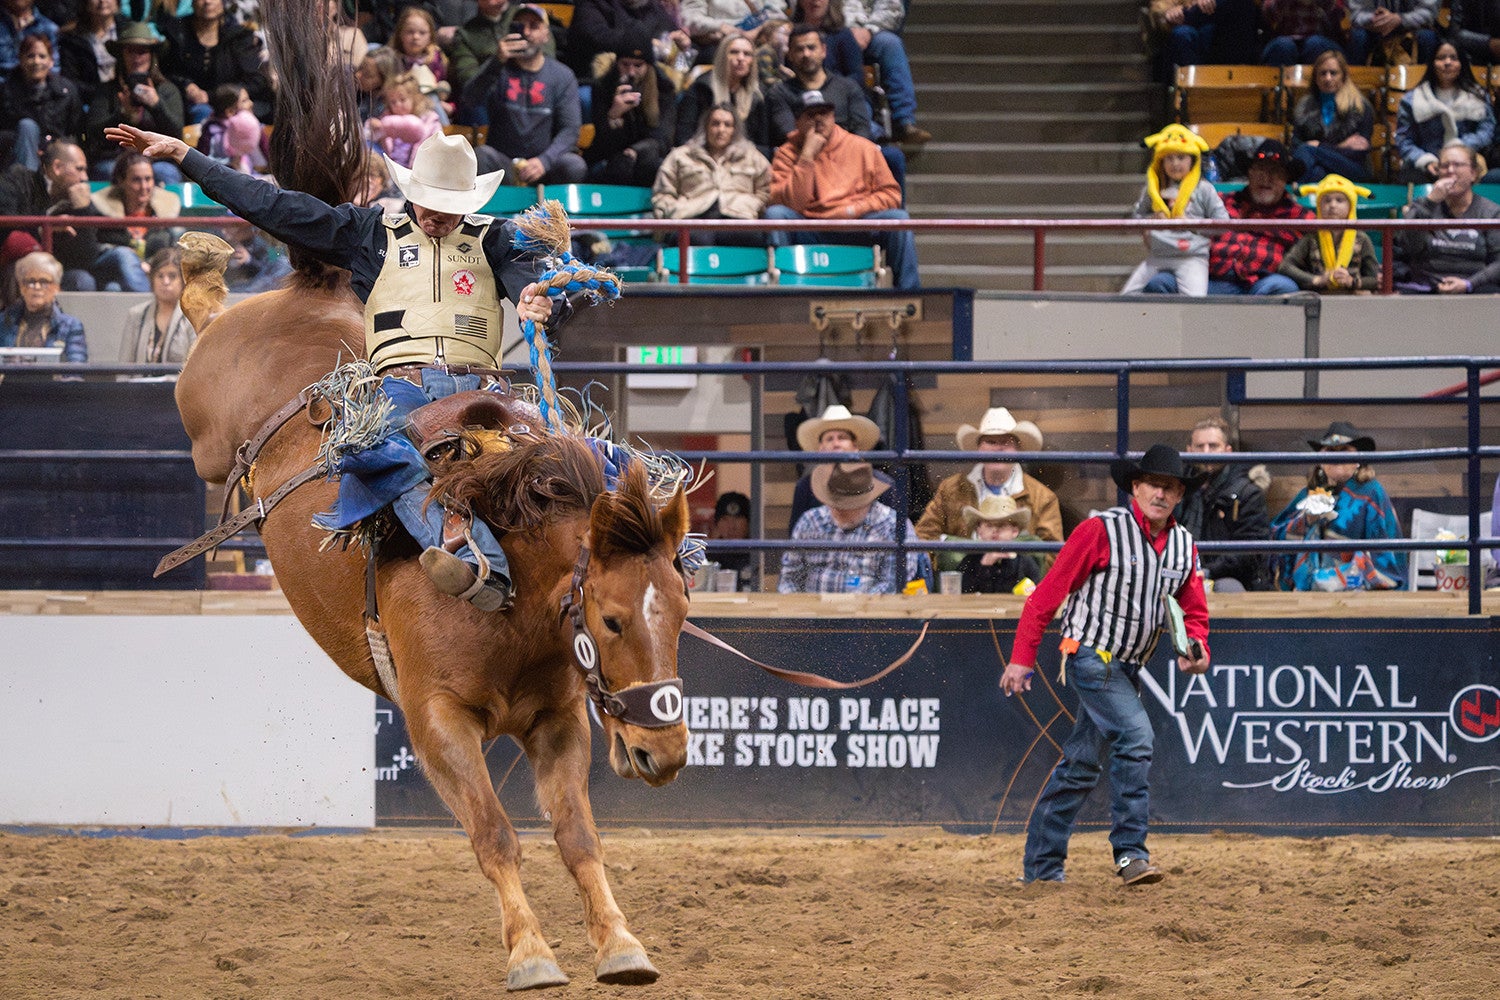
x: 652, y: 615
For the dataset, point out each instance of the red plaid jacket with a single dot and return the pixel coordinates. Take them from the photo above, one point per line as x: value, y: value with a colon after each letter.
x: 1246, y: 256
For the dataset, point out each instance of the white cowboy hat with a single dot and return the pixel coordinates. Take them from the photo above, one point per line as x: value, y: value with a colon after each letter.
x: 836, y: 417
x: 997, y: 420
x: 846, y: 485
x: 997, y: 508
x: 444, y: 176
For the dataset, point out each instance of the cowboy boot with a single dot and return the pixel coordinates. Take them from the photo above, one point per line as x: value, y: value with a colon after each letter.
x: 486, y: 590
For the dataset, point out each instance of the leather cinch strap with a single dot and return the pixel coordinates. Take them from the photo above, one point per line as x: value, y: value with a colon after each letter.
x: 253, y: 514
x: 805, y: 679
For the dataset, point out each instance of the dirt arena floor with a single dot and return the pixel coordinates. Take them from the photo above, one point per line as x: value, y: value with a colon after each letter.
x: 892, y: 913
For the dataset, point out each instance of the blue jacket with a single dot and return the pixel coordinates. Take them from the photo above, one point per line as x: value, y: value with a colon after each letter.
x: 64, y: 331
x: 1361, y: 510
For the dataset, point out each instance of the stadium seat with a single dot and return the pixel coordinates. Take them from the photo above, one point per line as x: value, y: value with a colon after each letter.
x: 194, y: 201
x: 832, y: 266
x: 559, y: 13
x: 1226, y: 93
x: 602, y: 201
x: 717, y: 266
x: 508, y: 201
x: 1214, y: 133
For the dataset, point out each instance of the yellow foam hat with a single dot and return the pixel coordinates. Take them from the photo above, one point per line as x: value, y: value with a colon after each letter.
x: 1333, y: 183
x: 1175, y: 139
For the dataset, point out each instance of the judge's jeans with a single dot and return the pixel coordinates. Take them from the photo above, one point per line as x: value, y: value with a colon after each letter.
x: 1111, y: 722
x: 426, y: 526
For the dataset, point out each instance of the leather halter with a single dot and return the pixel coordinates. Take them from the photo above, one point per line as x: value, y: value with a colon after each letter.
x: 654, y: 705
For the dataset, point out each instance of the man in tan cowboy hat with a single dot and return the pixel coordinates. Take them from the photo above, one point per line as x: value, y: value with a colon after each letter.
x: 431, y: 280
x: 1003, y: 434
x: 836, y: 429
x: 850, y: 513
x: 997, y: 519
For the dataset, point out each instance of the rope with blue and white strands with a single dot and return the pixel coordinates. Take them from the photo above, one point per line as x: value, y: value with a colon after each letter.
x: 543, y: 231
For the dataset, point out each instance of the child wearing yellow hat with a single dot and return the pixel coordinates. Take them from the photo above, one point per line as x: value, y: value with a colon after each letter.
x: 1175, y: 189
x: 1333, y: 261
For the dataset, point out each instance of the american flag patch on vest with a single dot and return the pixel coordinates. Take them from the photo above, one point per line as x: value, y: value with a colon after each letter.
x: 470, y: 326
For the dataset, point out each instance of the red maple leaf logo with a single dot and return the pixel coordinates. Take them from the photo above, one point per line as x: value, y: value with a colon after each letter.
x: 463, y: 282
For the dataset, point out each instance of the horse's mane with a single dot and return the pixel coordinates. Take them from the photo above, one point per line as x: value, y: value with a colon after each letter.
x: 551, y: 477
x: 316, y: 146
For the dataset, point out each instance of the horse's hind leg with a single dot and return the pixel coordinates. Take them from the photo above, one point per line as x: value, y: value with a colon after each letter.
x: 449, y: 743
x: 559, y: 753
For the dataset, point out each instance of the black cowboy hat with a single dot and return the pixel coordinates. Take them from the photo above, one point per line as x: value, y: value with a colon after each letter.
x: 1159, y: 460
x: 1273, y: 154
x: 1341, y: 434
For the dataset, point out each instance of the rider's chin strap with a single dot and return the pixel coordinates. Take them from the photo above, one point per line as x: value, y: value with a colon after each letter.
x: 655, y: 705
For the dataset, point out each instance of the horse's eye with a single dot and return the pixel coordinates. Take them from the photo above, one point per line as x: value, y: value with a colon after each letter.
x: 613, y: 624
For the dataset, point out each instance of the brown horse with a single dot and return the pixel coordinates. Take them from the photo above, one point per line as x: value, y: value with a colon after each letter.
x: 463, y: 676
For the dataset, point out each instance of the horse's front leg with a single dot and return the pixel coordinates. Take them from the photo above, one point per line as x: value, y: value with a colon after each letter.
x: 449, y: 742
x: 559, y: 754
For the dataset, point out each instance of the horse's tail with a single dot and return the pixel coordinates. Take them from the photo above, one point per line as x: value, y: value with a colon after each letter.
x: 317, y: 145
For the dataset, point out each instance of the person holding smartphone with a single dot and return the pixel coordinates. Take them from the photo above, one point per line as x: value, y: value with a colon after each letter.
x: 635, y: 116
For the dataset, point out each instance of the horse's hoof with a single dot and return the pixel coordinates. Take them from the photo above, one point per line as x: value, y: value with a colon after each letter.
x: 535, y: 974
x: 628, y: 968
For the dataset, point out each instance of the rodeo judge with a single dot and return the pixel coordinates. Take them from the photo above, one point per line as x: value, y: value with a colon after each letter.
x: 438, y: 254
x: 1115, y: 572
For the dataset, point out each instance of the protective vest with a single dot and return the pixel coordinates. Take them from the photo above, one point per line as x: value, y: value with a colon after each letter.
x: 1119, y: 608
x: 434, y: 300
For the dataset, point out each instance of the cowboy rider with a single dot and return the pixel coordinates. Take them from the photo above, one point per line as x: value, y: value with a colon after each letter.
x: 439, y: 253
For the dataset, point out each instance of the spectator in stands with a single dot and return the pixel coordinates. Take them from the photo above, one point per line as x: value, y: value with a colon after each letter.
x: 1332, y: 123
x: 232, y: 135
x: 84, y: 51
x: 710, y: 22
x: 37, y: 105
x: 530, y: 102
x: 717, y: 174
x: 1450, y: 261
x: 600, y: 26
x: 379, y: 189
x: 156, y: 331
x: 415, y: 43
x: 141, y: 96
x: 1475, y: 26
x: 206, y: 49
x: 1448, y: 105
x: 19, y: 18
x: 732, y: 82
x: 349, y: 43
x: 771, y: 42
x: 635, y: 117
x: 1245, y: 262
x: 258, y: 263
x: 1336, y: 261
x: 1228, y: 504
x: 1205, y: 31
x: 997, y: 519
x: 1301, y: 30
x: 36, y: 320
x: 824, y: 172
x: 374, y: 71
x: 409, y: 118
x: 843, y: 54
x: 1392, y: 31
x: 834, y: 430
x: 1342, y: 499
x: 477, y: 41
x: 1175, y: 189
x: 850, y: 513
x: 1007, y: 437
x: 134, y: 194
x: 61, y: 187
x: 876, y: 25
x: 731, y: 521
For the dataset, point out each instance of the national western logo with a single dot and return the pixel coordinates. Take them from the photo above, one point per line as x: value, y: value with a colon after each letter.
x: 463, y: 282
x: 1475, y: 713
x: 408, y: 256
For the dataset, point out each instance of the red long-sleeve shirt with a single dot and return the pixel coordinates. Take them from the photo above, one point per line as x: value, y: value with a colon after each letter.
x: 1085, y: 553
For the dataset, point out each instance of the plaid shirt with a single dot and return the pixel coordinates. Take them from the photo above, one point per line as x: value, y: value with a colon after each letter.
x: 839, y: 571
x: 1244, y: 256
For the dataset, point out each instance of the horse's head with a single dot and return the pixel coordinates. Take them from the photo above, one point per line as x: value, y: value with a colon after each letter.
x: 634, y: 603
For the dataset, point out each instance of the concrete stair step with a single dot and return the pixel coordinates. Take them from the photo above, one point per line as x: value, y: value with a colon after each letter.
x: 1119, y: 190
x: 990, y: 210
x: 1078, y: 41
x: 1014, y: 250
x: 944, y: 67
x: 1090, y: 98
x: 1099, y: 278
x: 1038, y: 127
x: 1037, y: 157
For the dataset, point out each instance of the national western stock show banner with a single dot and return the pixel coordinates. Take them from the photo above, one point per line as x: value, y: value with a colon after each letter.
x: 1302, y: 726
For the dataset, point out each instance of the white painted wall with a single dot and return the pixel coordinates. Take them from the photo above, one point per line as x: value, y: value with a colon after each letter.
x: 179, y: 721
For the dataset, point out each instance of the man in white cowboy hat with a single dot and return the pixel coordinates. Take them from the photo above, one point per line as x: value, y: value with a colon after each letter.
x: 997, y: 519
x: 834, y: 430
x: 851, y: 513
x: 1003, y: 434
x: 1115, y: 573
x: 440, y: 254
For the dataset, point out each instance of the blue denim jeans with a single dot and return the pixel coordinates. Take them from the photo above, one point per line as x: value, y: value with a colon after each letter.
x: 887, y: 51
x: 1165, y: 283
x: 899, y: 245
x: 1111, y: 722
x: 116, y: 269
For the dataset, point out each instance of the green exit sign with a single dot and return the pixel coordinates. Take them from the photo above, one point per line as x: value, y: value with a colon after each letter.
x: 661, y: 354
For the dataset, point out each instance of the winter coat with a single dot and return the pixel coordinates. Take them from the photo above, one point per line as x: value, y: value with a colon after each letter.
x: 691, y: 181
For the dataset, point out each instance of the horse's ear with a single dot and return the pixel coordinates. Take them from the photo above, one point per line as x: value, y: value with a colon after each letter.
x: 675, y: 519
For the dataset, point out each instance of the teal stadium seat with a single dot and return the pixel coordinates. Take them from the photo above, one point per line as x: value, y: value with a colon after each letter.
x: 717, y: 266
x: 831, y: 266
x: 509, y: 201
x: 194, y: 201
x: 602, y: 201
